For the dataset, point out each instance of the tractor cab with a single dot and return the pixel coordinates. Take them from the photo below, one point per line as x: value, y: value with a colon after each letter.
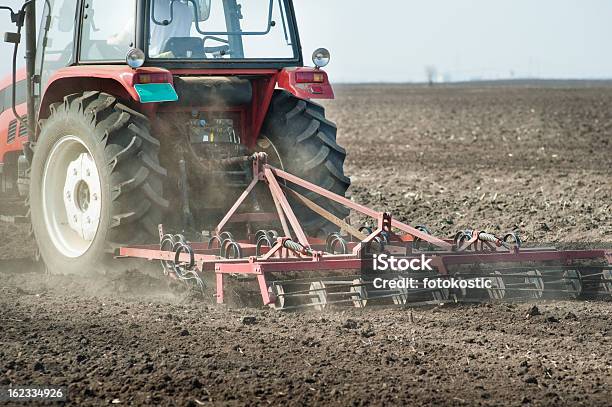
x: 171, y: 34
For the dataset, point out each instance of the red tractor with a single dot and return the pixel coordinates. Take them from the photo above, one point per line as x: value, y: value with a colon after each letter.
x: 134, y: 112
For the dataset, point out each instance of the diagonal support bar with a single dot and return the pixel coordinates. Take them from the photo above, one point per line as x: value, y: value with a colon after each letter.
x: 276, y: 191
x: 234, y: 208
x: 325, y: 214
x: 281, y: 216
x: 359, y: 208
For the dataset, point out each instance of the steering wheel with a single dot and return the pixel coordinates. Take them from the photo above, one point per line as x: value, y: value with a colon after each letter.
x: 218, y: 51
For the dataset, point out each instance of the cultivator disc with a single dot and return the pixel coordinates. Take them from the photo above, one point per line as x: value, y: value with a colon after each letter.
x: 295, y: 271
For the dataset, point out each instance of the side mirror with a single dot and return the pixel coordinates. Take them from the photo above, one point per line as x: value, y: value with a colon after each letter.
x: 203, y: 9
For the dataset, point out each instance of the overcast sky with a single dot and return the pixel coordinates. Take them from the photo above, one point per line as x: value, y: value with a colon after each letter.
x: 393, y: 40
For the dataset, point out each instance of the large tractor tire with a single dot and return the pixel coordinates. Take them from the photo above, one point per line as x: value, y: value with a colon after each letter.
x: 300, y: 140
x: 96, y: 183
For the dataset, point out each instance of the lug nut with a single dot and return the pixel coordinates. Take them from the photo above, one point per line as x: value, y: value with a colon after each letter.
x: 94, y: 197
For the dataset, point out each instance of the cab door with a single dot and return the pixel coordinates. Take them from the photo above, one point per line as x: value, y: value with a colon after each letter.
x: 56, y: 40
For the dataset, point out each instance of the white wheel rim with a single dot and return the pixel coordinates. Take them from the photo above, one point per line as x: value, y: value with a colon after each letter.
x: 71, y: 196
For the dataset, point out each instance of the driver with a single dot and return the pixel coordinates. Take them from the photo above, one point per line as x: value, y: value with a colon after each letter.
x: 179, y: 24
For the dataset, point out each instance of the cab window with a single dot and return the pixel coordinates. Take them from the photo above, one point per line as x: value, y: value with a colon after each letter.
x: 108, y: 29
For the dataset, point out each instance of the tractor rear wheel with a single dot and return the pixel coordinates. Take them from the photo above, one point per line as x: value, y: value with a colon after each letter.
x: 300, y: 140
x: 96, y: 183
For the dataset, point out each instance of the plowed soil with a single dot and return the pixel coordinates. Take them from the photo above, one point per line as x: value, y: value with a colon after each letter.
x: 530, y: 158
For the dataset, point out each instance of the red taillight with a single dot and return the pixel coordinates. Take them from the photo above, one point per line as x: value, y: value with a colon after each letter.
x: 309, y: 77
x: 152, y: 78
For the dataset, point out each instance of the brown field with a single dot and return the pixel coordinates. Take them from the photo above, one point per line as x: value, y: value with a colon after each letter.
x: 534, y: 159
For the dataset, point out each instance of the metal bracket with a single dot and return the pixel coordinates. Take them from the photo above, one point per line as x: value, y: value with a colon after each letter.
x: 12, y: 38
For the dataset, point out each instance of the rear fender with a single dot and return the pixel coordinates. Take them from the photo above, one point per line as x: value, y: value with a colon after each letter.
x: 287, y: 79
x: 117, y: 80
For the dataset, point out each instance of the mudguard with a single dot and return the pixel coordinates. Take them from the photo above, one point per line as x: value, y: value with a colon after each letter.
x: 118, y: 80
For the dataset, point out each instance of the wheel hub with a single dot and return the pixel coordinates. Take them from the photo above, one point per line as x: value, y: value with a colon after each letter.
x: 71, y: 197
x: 81, y: 196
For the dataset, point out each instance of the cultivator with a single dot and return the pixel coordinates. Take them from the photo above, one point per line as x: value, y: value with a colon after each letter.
x: 292, y: 270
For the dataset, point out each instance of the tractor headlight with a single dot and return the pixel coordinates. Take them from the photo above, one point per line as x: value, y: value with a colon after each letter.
x: 135, y: 58
x: 321, y: 57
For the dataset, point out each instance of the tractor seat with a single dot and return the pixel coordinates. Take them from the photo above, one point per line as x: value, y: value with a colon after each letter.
x: 185, y: 47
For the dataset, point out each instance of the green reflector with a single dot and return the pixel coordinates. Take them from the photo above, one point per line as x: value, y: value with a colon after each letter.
x: 156, y: 92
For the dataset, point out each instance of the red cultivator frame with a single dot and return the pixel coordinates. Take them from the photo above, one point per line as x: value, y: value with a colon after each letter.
x: 339, y: 262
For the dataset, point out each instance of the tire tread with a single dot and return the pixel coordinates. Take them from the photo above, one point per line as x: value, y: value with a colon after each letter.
x: 131, y: 153
x: 306, y: 141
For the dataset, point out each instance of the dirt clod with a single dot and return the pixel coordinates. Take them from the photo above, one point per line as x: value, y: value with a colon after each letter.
x: 533, y: 311
x: 350, y: 324
x: 248, y: 320
x: 570, y: 315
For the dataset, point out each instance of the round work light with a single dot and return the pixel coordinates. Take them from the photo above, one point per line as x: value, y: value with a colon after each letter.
x: 321, y: 57
x: 135, y: 58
